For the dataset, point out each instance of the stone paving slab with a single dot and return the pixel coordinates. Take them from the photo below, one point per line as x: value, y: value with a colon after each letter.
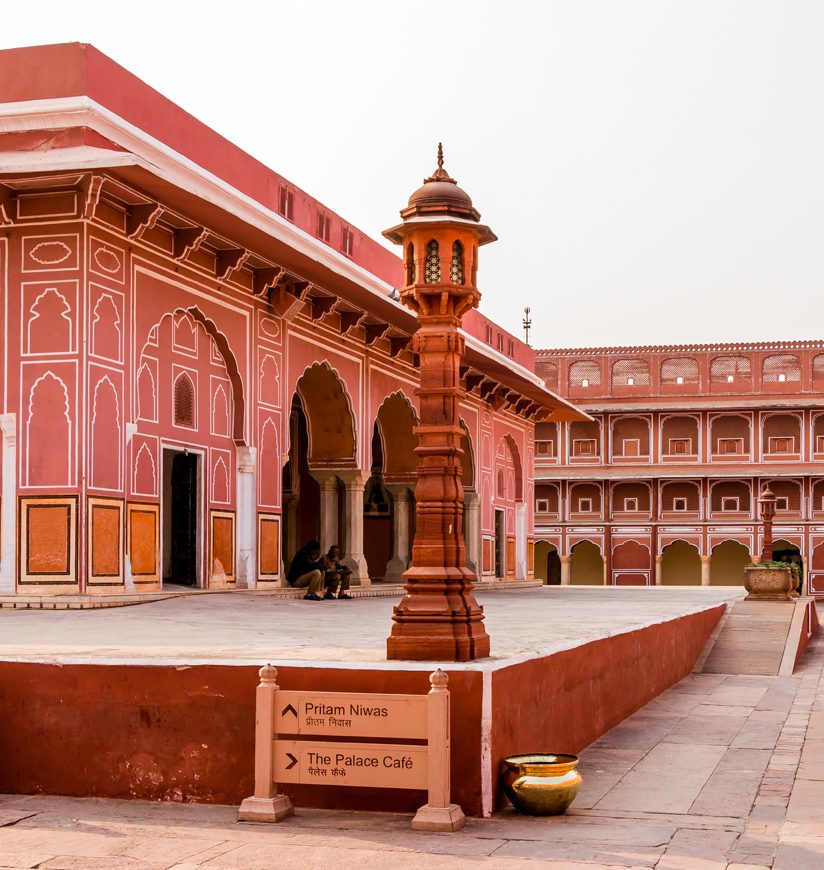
x: 250, y: 629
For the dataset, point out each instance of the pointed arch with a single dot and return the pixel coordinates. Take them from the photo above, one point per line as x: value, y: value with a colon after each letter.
x: 329, y: 416
x: 48, y: 433
x: 49, y: 328
x: 229, y: 361
x: 105, y: 436
x: 396, y: 419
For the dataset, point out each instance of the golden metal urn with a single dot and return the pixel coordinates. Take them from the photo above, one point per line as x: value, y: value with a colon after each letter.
x: 541, y: 784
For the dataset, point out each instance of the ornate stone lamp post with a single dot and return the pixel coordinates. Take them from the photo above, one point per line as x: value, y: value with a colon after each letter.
x: 766, y: 504
x: 438, y: 618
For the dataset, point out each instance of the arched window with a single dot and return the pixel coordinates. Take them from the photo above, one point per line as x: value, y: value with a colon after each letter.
x: 432, y: 273
x: 456, y: 267
x: 184, y: 401
x: 781, y: 368
x: 410, y: 264
x: 500, y: 484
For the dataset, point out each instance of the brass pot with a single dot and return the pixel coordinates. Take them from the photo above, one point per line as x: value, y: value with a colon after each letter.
x: 541, y: 784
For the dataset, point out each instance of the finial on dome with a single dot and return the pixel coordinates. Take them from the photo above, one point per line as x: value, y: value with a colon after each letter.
x: 440, y: 155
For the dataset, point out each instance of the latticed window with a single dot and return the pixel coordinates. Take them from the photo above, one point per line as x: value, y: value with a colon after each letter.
x: 780, y: 368
x: 410, y: 264
x: 630, y: 372
x: 585, y: 373
x: 432, y: 271
x: 818, y: 367
x: 456, y: 266
x: 549, y: 372
x: 730, y: 370
x: 184, y: 401
x: 679, y: 370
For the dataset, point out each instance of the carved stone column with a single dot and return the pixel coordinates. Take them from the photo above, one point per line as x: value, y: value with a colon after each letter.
x: 472, y: 512
x: 401, y: 528
x: 246, y: 518
x: 520, y: 540
x: 8, y: 506
x: 353, y: 482
x: 329, y: 526
x: 705, y: 570
x: 566, y: 562
x: 659, y: 570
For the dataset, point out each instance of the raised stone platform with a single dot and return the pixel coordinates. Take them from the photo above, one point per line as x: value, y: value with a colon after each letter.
x: 157, y: 702
x: 99, y: 600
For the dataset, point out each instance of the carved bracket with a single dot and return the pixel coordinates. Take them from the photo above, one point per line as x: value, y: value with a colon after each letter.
x: 187, y: 240
x: 229, y: 261
x: 321, y: 306
x: 7, y: 207
x: 349, y: 320
x: 399, y: 343
x: 374, y: 331
x: 265, y: 279
x: 142, y: 216
x: 91, y: 190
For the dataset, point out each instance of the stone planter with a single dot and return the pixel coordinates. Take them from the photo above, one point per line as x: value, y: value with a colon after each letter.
x: 541, y: 784
x: 768, y: 584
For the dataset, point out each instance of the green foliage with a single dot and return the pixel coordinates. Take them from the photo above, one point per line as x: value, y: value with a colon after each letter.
x: 792, y: 566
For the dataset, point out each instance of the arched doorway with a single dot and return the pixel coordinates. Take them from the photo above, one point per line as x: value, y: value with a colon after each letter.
x: 784, y: 551
x: 471, y: 507
x: 322, y: 485
x: 510, y: 511
x: 389, y: 497
x: 189, y: 409
x: 547, y: 563
x: 586, y: 565
x: 631, y: 564
x: 681, y: 565
x: 377, y: 513
x: 727, y: 564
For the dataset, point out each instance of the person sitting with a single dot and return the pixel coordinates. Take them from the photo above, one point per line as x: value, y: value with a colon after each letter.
x: 307, y: 571
x: 337, y: 574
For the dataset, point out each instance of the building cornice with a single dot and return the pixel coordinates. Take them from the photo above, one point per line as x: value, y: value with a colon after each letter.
x: 742, y: 347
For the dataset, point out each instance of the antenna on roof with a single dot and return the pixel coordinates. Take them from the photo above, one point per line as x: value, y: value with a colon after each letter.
x: 527, y: 324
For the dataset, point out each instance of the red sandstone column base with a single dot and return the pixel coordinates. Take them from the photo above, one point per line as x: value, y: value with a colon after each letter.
x: 271, y: 809
x: 438, y: 619
x: 447, y: 819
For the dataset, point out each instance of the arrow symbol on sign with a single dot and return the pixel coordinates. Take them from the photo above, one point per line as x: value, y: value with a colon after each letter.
x: 289, y: 709
x: 294, y: 761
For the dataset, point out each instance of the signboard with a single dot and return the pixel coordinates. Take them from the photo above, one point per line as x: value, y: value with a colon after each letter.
x: 376, y: 765
x: 333, y: 714
x: 335, y: 762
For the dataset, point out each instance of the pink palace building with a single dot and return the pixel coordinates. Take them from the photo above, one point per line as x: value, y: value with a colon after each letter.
x: 661, y: 486
x: 203, y: 366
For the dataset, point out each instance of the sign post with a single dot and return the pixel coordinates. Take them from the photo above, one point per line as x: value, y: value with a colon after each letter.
x: 326, y: 720
x: 266, y: 805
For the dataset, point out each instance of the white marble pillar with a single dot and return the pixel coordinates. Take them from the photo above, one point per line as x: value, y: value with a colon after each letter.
x: 472, y: 511
x: 353, y: 482
x: 8, y: 506
x: 328, y: 486
x: 659, y: 570
x: 401, y: 531
x: 520, y: 540
x: 566, y: 562
x: 246, y: 518
x: 705, y: 570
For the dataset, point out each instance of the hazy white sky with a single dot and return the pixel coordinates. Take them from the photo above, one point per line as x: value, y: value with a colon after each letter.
x: 654, y: 169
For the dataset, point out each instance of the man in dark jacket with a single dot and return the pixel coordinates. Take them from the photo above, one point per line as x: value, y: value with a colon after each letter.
x: 308, y: 570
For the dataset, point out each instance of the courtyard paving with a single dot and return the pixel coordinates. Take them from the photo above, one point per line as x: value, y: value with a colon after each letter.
x: 250, y: 629
x: 719, y: 773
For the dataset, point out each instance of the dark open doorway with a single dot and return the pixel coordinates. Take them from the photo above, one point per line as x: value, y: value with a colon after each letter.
x: 180, y: 515
x: 500, y: 538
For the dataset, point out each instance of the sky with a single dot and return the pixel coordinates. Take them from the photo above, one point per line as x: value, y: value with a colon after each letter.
x: 654, y: 170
